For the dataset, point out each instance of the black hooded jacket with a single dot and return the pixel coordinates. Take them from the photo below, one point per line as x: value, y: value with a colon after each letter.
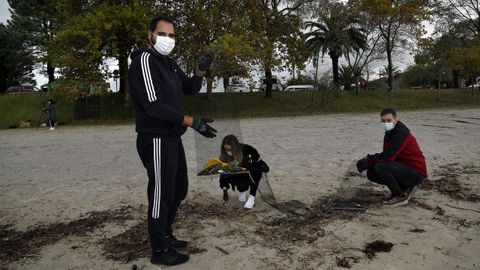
x: 51, y: 111
x: 156, y: 85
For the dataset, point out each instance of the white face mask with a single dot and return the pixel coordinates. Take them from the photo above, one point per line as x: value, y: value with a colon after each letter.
x: 230, y: 153
x: 387, y: 126
x: 164, y: 45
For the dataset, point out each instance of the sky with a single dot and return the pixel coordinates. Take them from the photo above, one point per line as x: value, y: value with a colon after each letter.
x: 402, y: 60
x: 4, y: 13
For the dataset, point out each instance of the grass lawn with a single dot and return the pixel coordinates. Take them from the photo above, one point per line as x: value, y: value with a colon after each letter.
x: 14, y: 109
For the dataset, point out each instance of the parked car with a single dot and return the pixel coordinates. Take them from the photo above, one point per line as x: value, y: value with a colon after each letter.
x: 475, y: 86
x: 236, y: 88
x: 19, y: 90
x: 300, y: 87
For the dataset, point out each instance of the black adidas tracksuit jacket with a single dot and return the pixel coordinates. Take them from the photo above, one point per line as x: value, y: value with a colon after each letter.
x: 156, y: 85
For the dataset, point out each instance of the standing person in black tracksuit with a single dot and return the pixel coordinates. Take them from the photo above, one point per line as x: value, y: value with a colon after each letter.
x: 247, y: 157
x: 156, y: 84
x: 51, y: 111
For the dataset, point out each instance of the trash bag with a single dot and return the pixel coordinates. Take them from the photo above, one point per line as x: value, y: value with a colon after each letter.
x: 266, y: 190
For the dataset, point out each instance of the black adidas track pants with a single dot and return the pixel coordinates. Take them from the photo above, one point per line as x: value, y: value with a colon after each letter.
x: 164, y: 159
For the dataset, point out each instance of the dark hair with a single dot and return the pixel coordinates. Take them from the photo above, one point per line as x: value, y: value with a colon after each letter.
x: 389, y: 111
x: 152, y: 25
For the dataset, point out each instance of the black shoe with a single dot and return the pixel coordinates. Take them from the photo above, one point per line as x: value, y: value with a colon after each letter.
x: 168, y: 257
x: 175, y: 243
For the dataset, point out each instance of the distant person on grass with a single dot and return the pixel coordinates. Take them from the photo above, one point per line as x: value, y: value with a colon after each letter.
x: 401, y: 166
x: 51, y: 112
x: 156, y: 84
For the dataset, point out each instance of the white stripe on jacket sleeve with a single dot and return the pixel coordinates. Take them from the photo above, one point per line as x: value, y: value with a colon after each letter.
x: 147, y: 76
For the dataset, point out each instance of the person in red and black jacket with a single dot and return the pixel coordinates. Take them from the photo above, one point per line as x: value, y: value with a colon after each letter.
x: 401, y: 166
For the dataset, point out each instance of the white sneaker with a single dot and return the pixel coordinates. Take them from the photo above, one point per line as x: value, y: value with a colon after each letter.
x: 250, y: 202
x: 242, y: 196
x: 52, y: 128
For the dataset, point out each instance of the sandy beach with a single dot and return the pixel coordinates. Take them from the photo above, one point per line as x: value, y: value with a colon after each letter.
x: 75, y: 198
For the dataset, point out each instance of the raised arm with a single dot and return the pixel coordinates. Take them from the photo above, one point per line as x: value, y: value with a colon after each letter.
x: 192, y: 85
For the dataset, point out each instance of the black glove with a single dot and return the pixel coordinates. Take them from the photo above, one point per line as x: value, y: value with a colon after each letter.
x: 263, y: 166
x: 362, y: 164
x: 201, y: 125
x: 205, y: 62
x: 225, y: 196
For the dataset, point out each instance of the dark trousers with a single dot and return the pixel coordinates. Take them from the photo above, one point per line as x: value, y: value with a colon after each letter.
x: 51, y: 123
x: 242, y: 182
x: 396, y: 176
x: 164, y: 159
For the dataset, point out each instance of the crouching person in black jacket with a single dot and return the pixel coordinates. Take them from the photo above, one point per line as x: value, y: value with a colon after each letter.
x: 247, y: 157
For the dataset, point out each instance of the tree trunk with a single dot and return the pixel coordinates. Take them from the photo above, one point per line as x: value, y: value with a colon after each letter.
x: 123, y: 72
x: 455, y: 79
x: 439, y: 85
x: 315, y: 62
x: 268, y: 81
x: 334, y: 58
x: 390, y: 67
x: 50, y: 72
x: 368, y: 78
x: 293, y: 73
x: 226, y: 83
x: 357, y: 80
x: 209, y: 87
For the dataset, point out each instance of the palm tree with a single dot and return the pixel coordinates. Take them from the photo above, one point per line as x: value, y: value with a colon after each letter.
x: 383, y: 72
x: 336, y: 31
x: 348, y: 76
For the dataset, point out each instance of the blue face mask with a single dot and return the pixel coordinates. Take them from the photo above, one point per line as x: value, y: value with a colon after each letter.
x: 387, y: 126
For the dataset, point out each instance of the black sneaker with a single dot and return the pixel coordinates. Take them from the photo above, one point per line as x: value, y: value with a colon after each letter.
x: 168, y: 257
x: 175, y: 243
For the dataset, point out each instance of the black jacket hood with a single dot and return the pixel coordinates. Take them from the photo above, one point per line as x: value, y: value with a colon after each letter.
x: 138, y: 52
